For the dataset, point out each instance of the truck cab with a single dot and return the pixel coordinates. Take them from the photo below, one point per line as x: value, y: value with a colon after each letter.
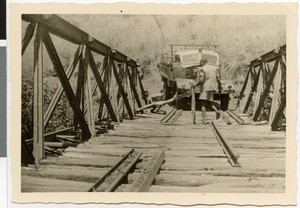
x: 178, y: 72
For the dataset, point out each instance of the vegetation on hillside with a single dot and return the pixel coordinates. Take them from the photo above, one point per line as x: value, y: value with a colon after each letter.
x: 145, y: 37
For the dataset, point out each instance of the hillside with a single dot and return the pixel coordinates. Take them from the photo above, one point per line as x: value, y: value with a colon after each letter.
x: 145, y: 37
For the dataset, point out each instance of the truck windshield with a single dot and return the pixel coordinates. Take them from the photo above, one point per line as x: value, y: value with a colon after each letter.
x: 211, y: 59
x: 190, y: 58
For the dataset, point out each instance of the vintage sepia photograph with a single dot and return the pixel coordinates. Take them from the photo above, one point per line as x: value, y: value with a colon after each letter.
x: 153, y: 103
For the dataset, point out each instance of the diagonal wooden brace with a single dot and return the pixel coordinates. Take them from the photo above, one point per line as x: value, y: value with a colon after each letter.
x: 132, y: 86
x: 66, y: 85
x: 59, y: 90
x: 101, y: 86
x: 28, y: 36
x: 241, y: 95
x: 122, y: 91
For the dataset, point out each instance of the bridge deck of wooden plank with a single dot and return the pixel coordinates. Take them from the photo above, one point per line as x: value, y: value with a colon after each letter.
x: 194, y: 162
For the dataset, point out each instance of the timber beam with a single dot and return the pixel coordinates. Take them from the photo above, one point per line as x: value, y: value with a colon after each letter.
x: 270, y: 56
x: 65, y: 30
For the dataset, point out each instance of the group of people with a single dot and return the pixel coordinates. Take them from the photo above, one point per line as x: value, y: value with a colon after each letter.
x: 208, y: 80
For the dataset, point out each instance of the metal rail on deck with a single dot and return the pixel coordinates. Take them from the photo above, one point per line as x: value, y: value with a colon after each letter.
x: 146, y: 177
x: 235, y: 117
x: 115, y: 175
x: 229, y: 150
x: 168, y: 116
x: 225, y: 118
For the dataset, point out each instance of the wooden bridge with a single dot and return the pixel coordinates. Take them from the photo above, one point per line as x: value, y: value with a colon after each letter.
x: 125, y: 151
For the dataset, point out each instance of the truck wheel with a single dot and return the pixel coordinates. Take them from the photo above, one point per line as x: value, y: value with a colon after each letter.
x: 224, y: 102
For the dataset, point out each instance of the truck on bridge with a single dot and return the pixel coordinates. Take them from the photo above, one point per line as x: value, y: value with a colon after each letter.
x: 178, y: 72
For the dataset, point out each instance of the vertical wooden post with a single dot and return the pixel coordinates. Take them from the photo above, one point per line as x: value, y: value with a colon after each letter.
x: 88, y: 96
x: 276, y: 96
x: 259, y: 90
x: 113, y: 90
x: 193, y: 106
x: 103, y: 77
x: 38, y: 118
x: 266, y: 90
x: 79, y: 89
x: 132, y: 89
x: 142, y: 90
x: 132, y: 79
x: 129, y: 94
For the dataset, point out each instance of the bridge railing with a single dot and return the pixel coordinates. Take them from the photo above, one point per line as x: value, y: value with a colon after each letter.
x: 264, y: 91
x: 118, y: 80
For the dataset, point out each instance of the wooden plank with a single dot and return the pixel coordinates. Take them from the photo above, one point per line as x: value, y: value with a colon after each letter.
x: 97, y: 162
x: 143, y: 183
x: 66, y: 85
x: 34, y: 184
x: 207, y: 180
x: 240, y: 185
x: 71, y: 173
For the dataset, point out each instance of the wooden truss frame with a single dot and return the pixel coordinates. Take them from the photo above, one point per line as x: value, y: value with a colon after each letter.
x: 273, y: 80
x: 110, y: 79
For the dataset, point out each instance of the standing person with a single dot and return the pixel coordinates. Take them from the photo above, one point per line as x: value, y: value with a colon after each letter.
x: 212, y: 79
